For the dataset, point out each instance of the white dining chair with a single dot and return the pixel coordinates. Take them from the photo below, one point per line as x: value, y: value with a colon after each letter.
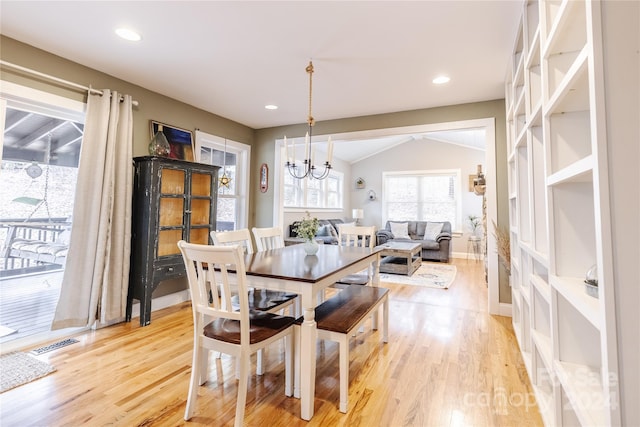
x: 268, y: 238
x: 259, y: 299
x: 358, y: 236
x: 220, y: 327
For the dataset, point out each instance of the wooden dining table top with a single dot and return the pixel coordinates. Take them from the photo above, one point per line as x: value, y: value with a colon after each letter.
x: 292, y: 262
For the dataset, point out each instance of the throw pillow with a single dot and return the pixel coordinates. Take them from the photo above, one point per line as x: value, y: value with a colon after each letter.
x: 323, y: 231
x: 400, y: 230
x: 432, y: 230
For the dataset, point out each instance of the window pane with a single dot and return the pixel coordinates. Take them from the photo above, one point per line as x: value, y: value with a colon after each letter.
x: 332, y: 183
x: 402, y: 211
x: 401, y: 189
x: 422, y: 197
x: 231, y: 173
x: 313, y: 193
x: 226, y: 218
x: 232, y: 162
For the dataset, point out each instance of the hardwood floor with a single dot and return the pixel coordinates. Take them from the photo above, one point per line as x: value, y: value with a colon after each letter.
x: 447, y: 363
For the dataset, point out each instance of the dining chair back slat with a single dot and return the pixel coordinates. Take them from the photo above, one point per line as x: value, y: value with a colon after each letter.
x: 268, y: 238
x: 356, y: 235
x: 240, y: 237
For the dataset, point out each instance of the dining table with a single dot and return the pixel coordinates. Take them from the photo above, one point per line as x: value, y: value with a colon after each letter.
x: 290, y: 269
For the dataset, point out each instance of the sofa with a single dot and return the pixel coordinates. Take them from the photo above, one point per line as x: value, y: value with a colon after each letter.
x: 435, y: 237
x: 327, y: 231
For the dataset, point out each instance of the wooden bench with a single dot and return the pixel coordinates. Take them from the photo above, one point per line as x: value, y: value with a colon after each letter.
x: 342, y: 314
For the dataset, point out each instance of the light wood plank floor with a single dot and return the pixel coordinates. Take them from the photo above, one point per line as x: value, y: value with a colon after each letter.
x: 447, y: 363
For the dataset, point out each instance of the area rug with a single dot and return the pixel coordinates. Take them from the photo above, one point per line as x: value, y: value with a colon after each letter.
x: 430, y: 275
x: 20, y: 368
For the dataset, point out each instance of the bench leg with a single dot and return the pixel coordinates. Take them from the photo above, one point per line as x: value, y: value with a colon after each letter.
x: 344, y: 372
x: 385, y: 320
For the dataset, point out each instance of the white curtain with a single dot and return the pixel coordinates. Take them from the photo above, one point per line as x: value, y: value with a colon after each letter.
x: 96, y: 276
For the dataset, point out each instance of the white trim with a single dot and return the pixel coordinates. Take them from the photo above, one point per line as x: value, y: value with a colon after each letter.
x: 22, y: 97
x: 504, y: 309
x: 491, y: 194
x: 164, y: 301
x: 3, y: 114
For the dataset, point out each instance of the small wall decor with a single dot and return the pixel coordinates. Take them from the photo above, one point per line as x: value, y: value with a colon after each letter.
x: 372, y: 195
x: 360, y: 183
x: 180, y: 140
x: 264, y: 178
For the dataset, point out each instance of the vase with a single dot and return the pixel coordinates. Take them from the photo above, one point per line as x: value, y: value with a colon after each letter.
x: 159, y: 146
x: 311, y: 247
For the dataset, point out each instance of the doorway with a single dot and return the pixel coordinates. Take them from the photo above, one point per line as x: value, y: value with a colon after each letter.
x: 39, y: 156
x: 487, y: 124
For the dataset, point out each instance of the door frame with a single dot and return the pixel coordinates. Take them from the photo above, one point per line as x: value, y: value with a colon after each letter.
x: 489, y: 126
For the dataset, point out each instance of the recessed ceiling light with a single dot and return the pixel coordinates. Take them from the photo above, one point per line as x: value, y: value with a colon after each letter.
x: 441, y: 80
x: 128, y: 34
x: 271, y: 107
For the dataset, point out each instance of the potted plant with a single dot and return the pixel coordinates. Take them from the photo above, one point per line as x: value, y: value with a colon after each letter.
x: 474, y: 224
x: 307, y: 229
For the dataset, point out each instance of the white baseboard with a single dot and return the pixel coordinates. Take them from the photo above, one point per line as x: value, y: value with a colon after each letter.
x: 505, y: 309
x: 464, y: 255
x: 163, y: 302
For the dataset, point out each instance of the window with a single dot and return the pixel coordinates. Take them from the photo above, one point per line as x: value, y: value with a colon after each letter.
x: 422, y: 196
x: 232, y: 212
x: 313, y: 193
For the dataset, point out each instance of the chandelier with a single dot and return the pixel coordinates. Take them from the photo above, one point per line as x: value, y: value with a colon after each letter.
x: 308, y: 168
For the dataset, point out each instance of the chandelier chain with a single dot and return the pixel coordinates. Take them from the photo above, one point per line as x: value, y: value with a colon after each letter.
x: 309, y: 70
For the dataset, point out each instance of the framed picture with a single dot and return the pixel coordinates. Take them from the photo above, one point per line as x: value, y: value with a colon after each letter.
x: 180, y: 140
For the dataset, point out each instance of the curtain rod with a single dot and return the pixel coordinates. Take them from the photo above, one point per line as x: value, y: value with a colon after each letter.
x: 56, y: 79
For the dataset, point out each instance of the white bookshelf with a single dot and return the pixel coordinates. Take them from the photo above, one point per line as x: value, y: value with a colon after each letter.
x: 557, y: 171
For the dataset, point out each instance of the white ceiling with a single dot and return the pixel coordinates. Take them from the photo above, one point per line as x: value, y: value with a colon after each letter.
x: 231, y: 58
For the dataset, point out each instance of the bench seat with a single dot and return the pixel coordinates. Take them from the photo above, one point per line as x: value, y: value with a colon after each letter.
x: 339, y: 316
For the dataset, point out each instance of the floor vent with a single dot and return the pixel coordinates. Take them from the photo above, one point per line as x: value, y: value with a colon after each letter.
x: 54, y: 346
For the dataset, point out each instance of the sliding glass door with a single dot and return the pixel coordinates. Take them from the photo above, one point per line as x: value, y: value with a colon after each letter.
x: 40, y: 149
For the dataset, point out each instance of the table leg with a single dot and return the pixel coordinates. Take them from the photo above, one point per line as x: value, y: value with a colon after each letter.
x: 308, y: 338
x: 375, y: 281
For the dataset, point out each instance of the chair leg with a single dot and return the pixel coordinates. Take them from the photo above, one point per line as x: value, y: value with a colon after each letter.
x: 288, y: 374
x: 296, y: 361
x: 204, y: 365
x: 344, y: 372
x: 196, y: 376
x: 241, y: 402
x: 260, y: 362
